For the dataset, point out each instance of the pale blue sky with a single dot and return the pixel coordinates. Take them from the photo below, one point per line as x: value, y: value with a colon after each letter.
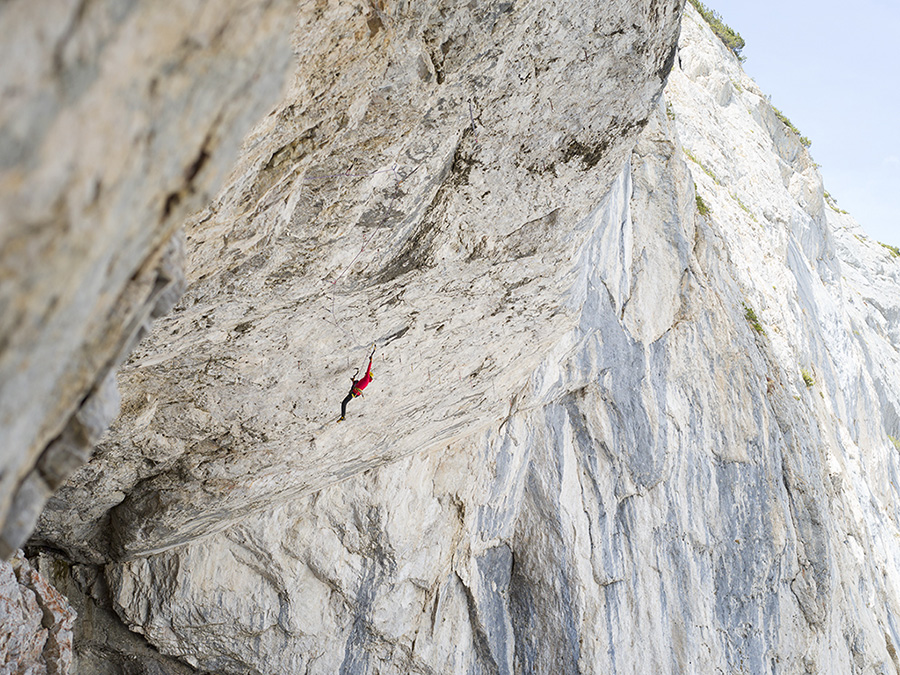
x: 833, y: 68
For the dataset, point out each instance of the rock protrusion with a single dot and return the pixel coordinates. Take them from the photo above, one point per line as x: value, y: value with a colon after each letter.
x: 36, y: 622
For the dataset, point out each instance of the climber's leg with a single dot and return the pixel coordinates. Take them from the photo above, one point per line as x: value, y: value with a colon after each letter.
x: 344, y: 405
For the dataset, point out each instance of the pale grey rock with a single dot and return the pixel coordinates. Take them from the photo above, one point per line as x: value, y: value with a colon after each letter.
x: 657, y: 489
x: 118, y: 119
x: 63, y: 456
x: 424, y: 186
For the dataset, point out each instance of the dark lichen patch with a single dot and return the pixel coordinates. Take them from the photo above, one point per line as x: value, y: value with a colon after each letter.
x: 394, y: 300
x: 478, y: 249
x: 172, y: 201
x: 293, y: 151
x: 394, y: 336
x: 666, y: 67
x: 285, y: 157
x: 541, y: 167
x: 589, y: 155
x: 245, y: 269
x: 437, y: 53
x: 374, y: 24
x: 438, y: 70
x: 486, y: 367
x: 381, y: 215
x: 291, y: 269
x: 414, y: 254
x: 197, y: 165
x: 462, y: 164
x: 507, y: 302
x: 174, y: 198
x: 527, y: 239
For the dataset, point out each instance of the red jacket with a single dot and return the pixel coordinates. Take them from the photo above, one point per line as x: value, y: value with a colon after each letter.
x: 359, y: 385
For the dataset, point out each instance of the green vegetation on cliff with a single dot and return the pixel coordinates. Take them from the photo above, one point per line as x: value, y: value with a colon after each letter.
x: 786, y: 122
x: 729, y: 37
x: 751, y: 317
x: 807, y: 377
x: 702, y: 208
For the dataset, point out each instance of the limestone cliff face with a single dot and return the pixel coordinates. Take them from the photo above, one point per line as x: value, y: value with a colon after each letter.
x: 118, y: 120
x: 579, y: 454
x: 425, y: 186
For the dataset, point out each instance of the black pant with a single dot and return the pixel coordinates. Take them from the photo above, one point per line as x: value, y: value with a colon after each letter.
x: 344, y: 404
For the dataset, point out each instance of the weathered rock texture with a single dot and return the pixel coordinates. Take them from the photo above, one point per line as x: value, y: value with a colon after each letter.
x: 118, y: 119
x: 578, y: 454
x: 36, y: 622
x: 426, y: 186
x: 100, y: 643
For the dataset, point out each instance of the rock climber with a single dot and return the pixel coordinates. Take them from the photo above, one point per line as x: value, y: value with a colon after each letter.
x: 356, y: 389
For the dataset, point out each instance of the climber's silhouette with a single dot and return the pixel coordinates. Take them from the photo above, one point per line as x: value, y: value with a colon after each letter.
x: 356, y: 389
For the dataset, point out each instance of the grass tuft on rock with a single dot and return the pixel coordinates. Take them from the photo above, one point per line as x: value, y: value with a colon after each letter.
x: 895, y: 252
x: 750, y: 315
x: 804, y: 141
x: 832, y: 203
x: 807, y: 378
x: 702, y: 208
x: 709, y: 172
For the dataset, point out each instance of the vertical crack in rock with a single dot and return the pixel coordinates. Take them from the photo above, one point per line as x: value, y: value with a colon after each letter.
x: 356, y: 654
x: 487, y: 596
x: 378, y: 564
x: 36, y: 621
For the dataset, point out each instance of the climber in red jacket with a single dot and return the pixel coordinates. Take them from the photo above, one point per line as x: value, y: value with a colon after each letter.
x: 356, y: 389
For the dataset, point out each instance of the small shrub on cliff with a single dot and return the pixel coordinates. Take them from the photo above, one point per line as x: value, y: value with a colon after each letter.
x: 750, y: 315
x: 804, y: 141
x: 832, y: 203
x: 895, y: 441
x: 670, y: 112
x: 729, y: 37
x: 702, y: 208
x: 895, y: 252
x: 807, y: 378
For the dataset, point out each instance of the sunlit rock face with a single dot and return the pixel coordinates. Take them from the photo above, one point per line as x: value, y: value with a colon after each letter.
x: 581, y: 452
x: 118, y: 120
